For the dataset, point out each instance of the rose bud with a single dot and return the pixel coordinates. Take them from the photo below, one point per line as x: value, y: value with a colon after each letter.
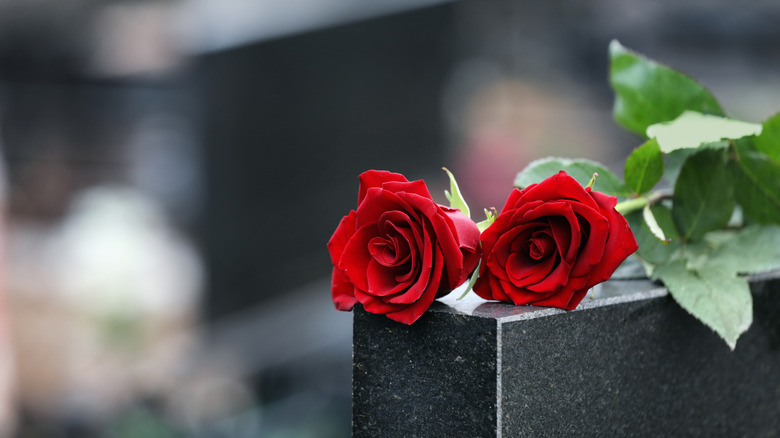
x: 399, y: 250
x: 552, y: 242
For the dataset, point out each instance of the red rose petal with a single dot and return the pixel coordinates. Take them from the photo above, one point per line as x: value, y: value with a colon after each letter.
x: 382, y: 280
x: 343, y: 291
x: 412, y: 312
x: 377, y: 203
x: 355, y: 258
x: 592, y: 250
x: 341, y: 236
x: 422, y: 281
x: 556, y: 279
x: 445, y: 233
x: 514, y: 199
x: 523, y: 272
x: 376, y: 178
x: 620, y: 244
x: 521, y: 233
x: 374, y: 304
x: 414, y: 187
x: 559, y: 186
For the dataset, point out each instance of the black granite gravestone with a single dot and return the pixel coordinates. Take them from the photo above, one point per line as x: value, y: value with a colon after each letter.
x: 629, y: 363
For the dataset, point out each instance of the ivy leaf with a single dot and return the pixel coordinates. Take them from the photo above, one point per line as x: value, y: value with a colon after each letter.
x: 769, y: 140
x: 454, y: 195
x: 719, y: 299
x: 703, y: 198
x: 647, y: 93
x: 644, y: 167
x: 693, y: 129
x: 581, y: 170
x: 757, y: 186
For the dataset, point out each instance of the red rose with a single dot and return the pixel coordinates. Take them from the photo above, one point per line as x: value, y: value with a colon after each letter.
x: 399, y: 250
x: 551, y: 243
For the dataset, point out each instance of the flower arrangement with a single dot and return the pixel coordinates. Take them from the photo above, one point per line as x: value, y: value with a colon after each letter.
x: 699, y: 207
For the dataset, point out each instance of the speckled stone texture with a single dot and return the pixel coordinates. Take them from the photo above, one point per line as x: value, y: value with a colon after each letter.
x: 624, y: 364
x: 436, y: 377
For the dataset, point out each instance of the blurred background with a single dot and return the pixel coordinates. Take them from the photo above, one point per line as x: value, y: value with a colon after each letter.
x: 172, y: 171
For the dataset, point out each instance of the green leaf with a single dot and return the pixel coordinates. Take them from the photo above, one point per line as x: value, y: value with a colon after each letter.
x: 652, y: 224
x: 651, y: 250
x: 454, y: 195
x: 581, y: 170
x: 719, y: 299
x: 491, y: 217
x: 750, y: 250
x: 692, y: 129
x: 644, y: 167
x: 674, y: 162
x: 756, y: 180
x: 647, y: 93
x: 703, y: 198
x: 769, y: 140
x: 472, y: 281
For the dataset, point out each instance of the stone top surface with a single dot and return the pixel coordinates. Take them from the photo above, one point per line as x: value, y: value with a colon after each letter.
x: 620, y: 289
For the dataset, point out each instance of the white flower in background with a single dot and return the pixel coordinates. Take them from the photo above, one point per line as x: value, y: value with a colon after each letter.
x: 117, y: 255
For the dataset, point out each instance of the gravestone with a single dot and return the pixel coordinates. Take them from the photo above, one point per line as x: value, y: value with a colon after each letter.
x: 628, y: 363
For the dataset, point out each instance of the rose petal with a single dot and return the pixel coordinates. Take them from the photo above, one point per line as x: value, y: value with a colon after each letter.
x: 505, y: 220
x: 355, y: 258
x: 558, y: 277
x: 514, y: 198
x: 559, y: 186
x: 521, y: 233
x: 376, y: 178
x: 522, y: 272
x: 569, y: 296
x: 382, y: 280
x: 414, y: 187
x: 427, y: 263
x: 444, y: 232
x: 374, y: 304
x: 377, y: 203
x: 341, y: 236
x: 343, y: 291
x: 592, y: 248
x: 465, y: 228
x: 620, y: 243
x: 412, y: 313
x: 564, y: 224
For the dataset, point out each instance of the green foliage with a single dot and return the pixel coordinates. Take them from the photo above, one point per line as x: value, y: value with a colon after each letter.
x: 703, y: 197
x: 750, y: 250
x: 454, y: 195
x: 713, y: 164
x: 580, y: 170
x: 768, y: 142
x: 644, y: 167
x: 490, y: 218
x: 472, y: 280
x: 693, y: 129
x: 653, y: 251
x: 652, y: 224
x: 719, y: 299
x: 756, y: 180
x: 647, y: 93
x: 704, y: 277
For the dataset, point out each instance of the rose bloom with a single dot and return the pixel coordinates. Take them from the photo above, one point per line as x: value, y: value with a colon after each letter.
x: 551, y: 242
x: 399, y: 250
